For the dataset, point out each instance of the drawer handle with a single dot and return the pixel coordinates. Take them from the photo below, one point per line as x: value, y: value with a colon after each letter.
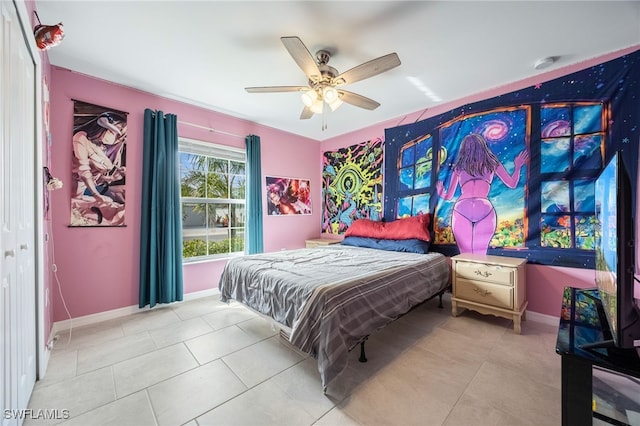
x: 481, y: 291
x: 485, y: 274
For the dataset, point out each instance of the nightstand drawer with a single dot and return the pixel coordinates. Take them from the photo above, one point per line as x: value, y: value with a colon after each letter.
x: 490, y: 273
x: 486, y: 293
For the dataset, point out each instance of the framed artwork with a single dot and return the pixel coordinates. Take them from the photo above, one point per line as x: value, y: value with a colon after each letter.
x: 98, y: 166
x: 288, y: 196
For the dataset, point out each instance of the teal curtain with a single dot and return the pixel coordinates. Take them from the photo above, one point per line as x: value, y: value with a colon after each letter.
x: 161, y: 223
x: 254, y: 196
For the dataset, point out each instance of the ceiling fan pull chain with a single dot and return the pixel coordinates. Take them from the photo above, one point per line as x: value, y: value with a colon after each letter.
x: 324, y: 118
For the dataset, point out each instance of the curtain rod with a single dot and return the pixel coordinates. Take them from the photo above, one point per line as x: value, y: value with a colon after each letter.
x: 210, y: 129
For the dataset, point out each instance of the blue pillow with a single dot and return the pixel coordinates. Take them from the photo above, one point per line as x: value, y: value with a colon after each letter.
x: 413, y: 245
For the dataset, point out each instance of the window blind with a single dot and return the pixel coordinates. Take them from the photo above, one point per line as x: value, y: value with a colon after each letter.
x: 212, y: 150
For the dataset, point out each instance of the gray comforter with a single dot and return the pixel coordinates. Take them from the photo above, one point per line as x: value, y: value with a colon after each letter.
x: 331, y: 297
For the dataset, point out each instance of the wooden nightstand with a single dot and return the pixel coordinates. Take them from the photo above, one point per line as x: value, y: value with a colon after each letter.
x: 320, y: 242
x: 493, y: 285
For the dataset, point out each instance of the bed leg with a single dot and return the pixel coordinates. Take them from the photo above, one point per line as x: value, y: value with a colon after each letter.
x: 440, y: 300
x: 363, y: 357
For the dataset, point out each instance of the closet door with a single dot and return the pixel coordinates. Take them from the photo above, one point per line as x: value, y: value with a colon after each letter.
x: 17, y: 214
x: 23, y: 135
x: 8, y: 238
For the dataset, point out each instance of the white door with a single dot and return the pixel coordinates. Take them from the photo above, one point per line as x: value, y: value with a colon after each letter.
x: 17, y: 213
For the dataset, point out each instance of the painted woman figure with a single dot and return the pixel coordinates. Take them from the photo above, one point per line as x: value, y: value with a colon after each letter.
x: 474, y: 218
x: 99, y: 171
x: 277, y: 200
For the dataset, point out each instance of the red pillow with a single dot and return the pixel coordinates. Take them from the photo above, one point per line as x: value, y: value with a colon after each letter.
x: 401, y: 229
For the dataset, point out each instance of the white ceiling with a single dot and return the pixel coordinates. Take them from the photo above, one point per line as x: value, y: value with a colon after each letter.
x: 206, y: 52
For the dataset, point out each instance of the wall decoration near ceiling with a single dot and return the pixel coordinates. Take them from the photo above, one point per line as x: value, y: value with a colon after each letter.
x: 287, y: 196
x: 98, y: 165
x: 47, y: 36
x: 514, y: 175
x: 351, y: 185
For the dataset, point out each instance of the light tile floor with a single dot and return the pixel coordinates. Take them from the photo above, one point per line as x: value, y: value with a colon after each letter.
x: 203, y: 362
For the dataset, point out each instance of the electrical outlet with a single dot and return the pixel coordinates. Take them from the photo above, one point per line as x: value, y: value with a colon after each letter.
x: 51, y: 342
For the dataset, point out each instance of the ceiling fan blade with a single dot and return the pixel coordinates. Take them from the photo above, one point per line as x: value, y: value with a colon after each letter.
x: 272, y: 89
x: 357, y: 100
x: 302, y: 56
x: 368, y: 69
x: 306, y: 113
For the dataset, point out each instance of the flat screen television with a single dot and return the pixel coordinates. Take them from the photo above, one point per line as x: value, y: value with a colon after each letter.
x: 615, y: 254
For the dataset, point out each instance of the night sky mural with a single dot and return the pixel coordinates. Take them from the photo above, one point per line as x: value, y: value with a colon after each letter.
x: 514, y: 175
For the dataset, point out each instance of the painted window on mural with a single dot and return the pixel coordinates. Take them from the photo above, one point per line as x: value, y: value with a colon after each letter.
x: 571, y: 156
x: 212, y: 184
x: 415, y: 176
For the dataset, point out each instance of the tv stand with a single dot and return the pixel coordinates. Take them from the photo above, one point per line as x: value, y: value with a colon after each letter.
x: 585, y: 344
x: 598, y: 345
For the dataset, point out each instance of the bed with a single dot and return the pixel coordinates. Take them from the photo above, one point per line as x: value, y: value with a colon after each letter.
x: 329, y: 299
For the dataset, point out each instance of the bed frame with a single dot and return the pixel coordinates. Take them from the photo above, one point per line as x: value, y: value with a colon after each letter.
x: 363, y: 357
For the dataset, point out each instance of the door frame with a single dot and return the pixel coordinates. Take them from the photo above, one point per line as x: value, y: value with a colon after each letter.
x: 42, y: 353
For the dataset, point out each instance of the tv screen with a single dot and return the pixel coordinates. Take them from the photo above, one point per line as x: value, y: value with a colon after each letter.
x: 615, y: 253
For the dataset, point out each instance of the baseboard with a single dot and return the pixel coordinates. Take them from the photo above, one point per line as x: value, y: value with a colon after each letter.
x: 128, y: 310
x: 543, y: 318
x: 201, y: 294
x: 121, y: 312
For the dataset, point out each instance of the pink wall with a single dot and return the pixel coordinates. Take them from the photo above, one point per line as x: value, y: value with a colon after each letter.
x: 546, y: 283
x: 98, y: 267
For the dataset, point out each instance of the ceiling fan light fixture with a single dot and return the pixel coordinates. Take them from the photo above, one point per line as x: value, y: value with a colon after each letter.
x: 317, y: 106
x: 323, y: 80
x: 329, y: 94
x: 309, y: 97
x: 335, y: 104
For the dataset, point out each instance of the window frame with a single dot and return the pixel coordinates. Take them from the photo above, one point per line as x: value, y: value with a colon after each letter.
x: 222, y: 152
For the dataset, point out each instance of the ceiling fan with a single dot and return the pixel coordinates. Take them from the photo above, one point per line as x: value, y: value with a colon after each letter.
x: 325, y: 83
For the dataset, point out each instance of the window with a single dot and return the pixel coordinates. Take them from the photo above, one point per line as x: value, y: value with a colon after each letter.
x: 212, y: 199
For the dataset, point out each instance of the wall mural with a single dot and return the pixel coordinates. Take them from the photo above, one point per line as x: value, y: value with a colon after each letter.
x: 351, y: 185
x: 98, y: 165
x: 514, y: 175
